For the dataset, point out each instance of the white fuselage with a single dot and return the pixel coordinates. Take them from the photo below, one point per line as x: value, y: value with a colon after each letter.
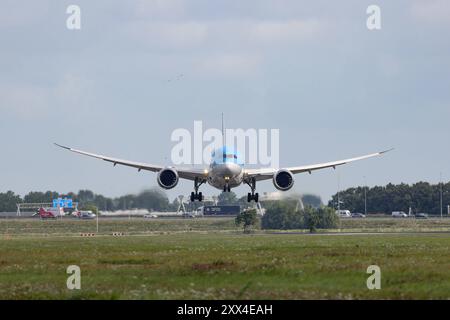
x: 225, y: 174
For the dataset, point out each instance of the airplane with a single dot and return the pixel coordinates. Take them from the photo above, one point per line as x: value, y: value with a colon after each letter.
x: 50, y: 213
x: 226, y: 171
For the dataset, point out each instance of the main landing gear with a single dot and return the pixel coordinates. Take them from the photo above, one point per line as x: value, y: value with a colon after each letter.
x: 197, y: 195
x: 252, y: 196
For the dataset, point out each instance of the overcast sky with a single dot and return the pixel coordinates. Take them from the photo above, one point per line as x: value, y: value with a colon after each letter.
x: 309, y: 68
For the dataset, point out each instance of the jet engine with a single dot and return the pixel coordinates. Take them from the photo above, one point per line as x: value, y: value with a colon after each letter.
x: 283, y: 180
x: 168, y: 178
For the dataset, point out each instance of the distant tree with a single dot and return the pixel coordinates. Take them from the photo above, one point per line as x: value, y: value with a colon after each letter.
x: 284, y: 215
x: 86, y: 196
x: 8, y: 201
x: 125, y: 202
x: 242, y: 201
x: 311, y: 219
x: 281, y: 215
x: 328, y: 219
x: 227, y: 198
x: 320, y: 218
x: 153, y: 199
x: 103, y: 203
x: 312, y: 200
x: 247, y: 219
x: 421, y: 197
x: 175, y: 204
x: 35, y: 197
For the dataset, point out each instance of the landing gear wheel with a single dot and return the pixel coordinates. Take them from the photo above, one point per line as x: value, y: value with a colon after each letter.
x: 197, y: 195
x: 252, y: 196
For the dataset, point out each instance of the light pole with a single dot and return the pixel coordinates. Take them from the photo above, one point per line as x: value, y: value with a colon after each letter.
x: 441, y: 192
x: 98, y: 212
x: 365, y: 196
x: 339, y: 189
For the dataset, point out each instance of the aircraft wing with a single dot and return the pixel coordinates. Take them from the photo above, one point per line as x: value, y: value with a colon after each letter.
x: 267, y: 173
x: 184, y: 173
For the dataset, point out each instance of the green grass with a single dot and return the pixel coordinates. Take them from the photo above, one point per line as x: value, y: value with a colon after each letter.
x: 388, y: 224
x: 135, y: 226
x: 227, y: 265
x: 71, y: 226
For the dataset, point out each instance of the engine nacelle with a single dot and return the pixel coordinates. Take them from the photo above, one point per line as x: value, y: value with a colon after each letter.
x: 167, y: 178
x: 283, y: 180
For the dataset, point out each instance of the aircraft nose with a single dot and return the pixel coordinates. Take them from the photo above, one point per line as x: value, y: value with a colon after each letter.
x: 229, y: 170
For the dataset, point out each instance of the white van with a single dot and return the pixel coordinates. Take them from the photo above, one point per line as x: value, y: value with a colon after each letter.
x: 399, y: 214
x: 343, y: 213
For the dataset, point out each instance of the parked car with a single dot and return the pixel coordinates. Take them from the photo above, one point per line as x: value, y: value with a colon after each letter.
x: 343, y: 213
x: 149, y: 215
x: 86, y: 215
x: 358, y: 215
x: 421, y: 215
x: 399, y: 214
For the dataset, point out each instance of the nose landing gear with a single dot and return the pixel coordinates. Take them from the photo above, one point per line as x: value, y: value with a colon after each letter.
x: 226, y: 187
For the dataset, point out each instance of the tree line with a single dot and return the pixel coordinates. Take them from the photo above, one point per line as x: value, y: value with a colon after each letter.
x: 286, y: 215
x: 153, y: 200
x: 420, y: 197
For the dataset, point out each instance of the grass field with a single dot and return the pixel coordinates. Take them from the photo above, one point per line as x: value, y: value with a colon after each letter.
x: 135, y: 226
x: 71, y: 226
x: 192, y: 259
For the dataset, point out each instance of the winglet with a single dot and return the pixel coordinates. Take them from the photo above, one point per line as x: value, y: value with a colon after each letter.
x: 64, y: 147
x: 386, y: 151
